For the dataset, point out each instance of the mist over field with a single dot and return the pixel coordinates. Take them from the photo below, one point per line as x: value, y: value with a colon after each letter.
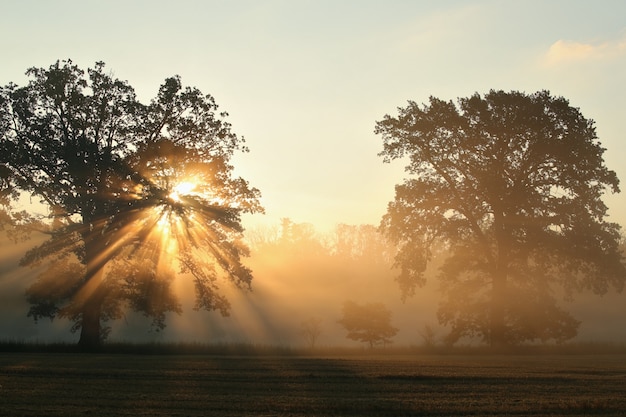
x: 290, y: 286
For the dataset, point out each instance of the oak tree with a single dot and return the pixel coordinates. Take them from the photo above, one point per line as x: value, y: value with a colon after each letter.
x: 135, y: 194
x: 508, y: 186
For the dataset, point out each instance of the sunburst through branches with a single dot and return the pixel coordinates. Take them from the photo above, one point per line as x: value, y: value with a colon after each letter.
x: 192, y: 221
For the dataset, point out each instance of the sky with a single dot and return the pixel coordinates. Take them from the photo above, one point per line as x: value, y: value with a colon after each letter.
x: 304, y: 82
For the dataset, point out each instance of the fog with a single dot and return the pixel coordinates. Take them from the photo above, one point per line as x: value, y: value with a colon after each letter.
x: 297, y: 276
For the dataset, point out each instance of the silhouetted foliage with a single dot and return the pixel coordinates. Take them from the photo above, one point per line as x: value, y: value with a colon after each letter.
x: 110, y: 171
x: 509, y: 185
x: 368, y: 323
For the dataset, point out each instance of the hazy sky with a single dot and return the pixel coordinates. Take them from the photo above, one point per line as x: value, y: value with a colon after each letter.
x: 305, y: 81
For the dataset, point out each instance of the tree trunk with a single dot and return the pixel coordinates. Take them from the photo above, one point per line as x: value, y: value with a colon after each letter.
x: 90, y: 332
x: 93, y: 292
x: 497, y: 319
x: 497, y: 322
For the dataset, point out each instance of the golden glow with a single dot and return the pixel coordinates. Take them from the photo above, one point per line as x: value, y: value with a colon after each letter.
x: 156, y: 240
x: 181, y: 189
x: 169, y: 223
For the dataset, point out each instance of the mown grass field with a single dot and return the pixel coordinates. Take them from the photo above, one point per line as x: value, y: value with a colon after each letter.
x: 73, y: 384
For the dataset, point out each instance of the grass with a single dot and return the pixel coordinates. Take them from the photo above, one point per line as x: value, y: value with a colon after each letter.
x: 185, y: 348
x: 237, y: 380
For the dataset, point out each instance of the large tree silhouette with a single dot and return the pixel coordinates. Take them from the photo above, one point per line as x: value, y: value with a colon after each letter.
x: 134, y: 191
x: 509, y: 185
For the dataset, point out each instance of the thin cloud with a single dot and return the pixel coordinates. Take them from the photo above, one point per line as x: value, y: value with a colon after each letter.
x: 565, y: 51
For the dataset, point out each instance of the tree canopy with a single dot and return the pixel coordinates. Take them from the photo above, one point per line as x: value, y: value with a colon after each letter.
x: 133, y: 192
x: 509, y: 186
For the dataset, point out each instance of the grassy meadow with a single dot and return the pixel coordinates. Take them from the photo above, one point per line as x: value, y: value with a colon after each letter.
x: 267, y: 382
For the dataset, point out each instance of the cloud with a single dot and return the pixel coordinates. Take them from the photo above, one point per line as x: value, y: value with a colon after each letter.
x: 565, y: 51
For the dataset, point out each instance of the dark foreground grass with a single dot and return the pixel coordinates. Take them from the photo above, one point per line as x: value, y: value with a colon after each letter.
x: 123, y: 384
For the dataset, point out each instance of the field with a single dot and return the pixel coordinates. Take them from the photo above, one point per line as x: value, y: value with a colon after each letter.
x: 64, y: 384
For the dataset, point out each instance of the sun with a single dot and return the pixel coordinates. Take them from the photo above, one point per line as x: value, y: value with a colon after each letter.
x: 168, y: 220
x: 180, y: 189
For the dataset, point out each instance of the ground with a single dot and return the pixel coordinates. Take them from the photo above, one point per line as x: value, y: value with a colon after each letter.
x: 71, y: 384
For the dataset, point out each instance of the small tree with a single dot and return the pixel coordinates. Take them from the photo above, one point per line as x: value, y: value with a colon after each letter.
x: 368, y: 323
x: 429, y: 336
x: 311, y: 330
